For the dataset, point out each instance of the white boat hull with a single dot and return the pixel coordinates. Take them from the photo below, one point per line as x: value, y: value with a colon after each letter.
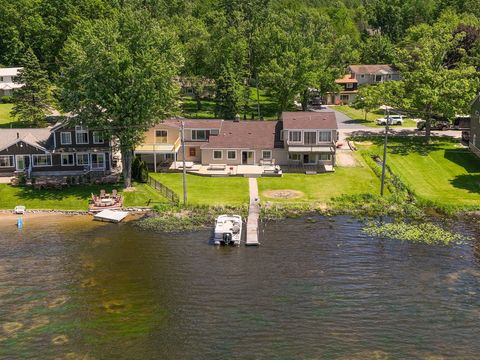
x: 228, y: 230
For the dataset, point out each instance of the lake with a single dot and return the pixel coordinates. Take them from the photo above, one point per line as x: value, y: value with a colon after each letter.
x: 317, y: 288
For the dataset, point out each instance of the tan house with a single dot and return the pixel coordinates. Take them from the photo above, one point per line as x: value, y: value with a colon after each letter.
x: 474, y: 141
x: 357, y: 76
x: 298, y: 139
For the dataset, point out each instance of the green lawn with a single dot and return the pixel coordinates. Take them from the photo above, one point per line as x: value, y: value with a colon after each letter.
x: 203, y: 190
x: 72, y: 198
x: 189, y: 107
x: 323, y: 187
x: 358, y: 117
x: 443, y: 171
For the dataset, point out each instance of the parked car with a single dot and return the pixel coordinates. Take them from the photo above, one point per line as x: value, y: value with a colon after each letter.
x: 436, y: 125
x: 392, y: 120
x: 461, y: 122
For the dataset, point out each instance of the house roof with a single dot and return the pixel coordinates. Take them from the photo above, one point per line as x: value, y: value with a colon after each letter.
x: 372, y: 69
x: 309, y: 120
x: 245, y: 135
x: 38, y: 138
x: 195, y: 123
x: 347, y: 79
x: 9, y: 71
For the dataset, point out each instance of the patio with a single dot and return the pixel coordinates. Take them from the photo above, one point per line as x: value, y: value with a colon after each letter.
x: 228, y: 170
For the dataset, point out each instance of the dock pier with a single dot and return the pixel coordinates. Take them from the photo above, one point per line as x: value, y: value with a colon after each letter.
x: 253, y: 213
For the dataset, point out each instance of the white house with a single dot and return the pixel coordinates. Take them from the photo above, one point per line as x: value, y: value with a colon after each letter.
x: 7, y: 81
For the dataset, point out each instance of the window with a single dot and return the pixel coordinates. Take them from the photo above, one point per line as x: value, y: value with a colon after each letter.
x: 349, y: 86
x: 42, y: 160
x: 344, y: 98
x: 192, y: 151
x: 67, y: 160
x: 98, y: 161
x: 97, y: 137
x: 83, y: 159
x: 6, y: 160
x: 217, y: 154
x: 231, y: 154
x: 325, y: 136
x: 65, y: 138
x: 168, y: 157
x: 324, y: 157
x: 295, y: 136
x: 199, y: 135
x: 267, y: 154
x: 81, y: 135
x: 161, y: 136
x: 310, y: 137
x: 214, y: 132
x: 378, y: 78
x: 295, y: 157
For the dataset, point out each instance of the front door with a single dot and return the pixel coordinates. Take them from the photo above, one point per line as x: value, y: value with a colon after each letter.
x: 308, y: 158
x: 23, y: 161
x: 247, y: 158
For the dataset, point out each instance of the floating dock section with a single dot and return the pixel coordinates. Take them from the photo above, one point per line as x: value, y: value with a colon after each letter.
x: 114, y: 216
x: 253, y: 213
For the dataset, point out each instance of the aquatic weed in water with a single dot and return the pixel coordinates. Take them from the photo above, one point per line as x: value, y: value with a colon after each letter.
x: 427, y: 233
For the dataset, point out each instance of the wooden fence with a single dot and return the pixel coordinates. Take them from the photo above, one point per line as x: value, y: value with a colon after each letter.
x: 165, y: 191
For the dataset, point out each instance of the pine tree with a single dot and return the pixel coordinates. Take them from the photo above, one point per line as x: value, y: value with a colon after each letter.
x: 31, y: 101
x: 227, y: 94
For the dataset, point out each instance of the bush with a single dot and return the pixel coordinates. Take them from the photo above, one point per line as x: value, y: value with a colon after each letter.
x: 6, y: 99
x: 139, y: 170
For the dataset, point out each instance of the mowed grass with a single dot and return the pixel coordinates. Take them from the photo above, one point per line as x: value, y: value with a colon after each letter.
x: 321, y: 188
x: 443, y: 171
x: 74, y: 197
x: 202, y: 190
x: 358, y: 117
x: 5, y: 116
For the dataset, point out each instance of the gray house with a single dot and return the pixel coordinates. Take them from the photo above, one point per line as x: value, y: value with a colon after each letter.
x: 474, y: 142
x: 57, y: 150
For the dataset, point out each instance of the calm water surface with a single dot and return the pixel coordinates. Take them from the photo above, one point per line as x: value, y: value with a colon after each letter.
x: 323, y: 290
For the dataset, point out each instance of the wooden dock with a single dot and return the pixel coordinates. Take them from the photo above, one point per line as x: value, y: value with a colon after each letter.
x: 114, y: 216
x: 253, y: 213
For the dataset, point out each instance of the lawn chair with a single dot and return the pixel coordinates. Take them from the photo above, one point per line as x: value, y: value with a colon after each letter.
x: 102, y: 194
x: 114, y: 193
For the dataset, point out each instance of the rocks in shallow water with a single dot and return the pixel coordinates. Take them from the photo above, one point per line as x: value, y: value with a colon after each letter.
x: 12, y: 327
x: 60, y: 340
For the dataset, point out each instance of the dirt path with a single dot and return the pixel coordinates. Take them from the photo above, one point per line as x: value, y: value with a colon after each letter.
x: 345, y: 158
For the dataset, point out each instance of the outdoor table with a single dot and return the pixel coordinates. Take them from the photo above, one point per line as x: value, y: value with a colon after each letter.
x: 107, y: 201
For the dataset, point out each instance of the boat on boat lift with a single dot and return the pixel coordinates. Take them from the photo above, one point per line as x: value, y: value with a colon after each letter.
x: 228, y: 230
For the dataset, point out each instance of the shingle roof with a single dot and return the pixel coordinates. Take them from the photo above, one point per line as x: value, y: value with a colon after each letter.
x: 347, y: 79
x: 372, y: 69
x: 39, y: 137
x: 246, y: 135
x: 195, y: 123
x: 309, y: 120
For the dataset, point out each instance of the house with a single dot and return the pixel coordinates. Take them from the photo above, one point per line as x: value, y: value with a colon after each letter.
x: 57, y: 150
x: 357, y: 76
x: 298, y: 139
x: 7, y: 81
x: 474, y: 141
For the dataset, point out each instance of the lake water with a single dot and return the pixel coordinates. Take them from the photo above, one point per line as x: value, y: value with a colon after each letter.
x: 313, y: 290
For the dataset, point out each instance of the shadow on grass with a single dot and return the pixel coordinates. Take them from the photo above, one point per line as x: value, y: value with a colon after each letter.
x: 77, y: 192
x: 356, y: 121
x: 15, y: 125
x: 467, y: 182
x: 465, y: 159
x: 405, y: 145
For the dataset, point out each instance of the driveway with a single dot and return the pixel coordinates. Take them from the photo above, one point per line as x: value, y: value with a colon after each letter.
x: 343, y: 121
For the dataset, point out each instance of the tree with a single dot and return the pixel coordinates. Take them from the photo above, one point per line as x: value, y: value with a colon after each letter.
x: 377, y: 49
x: 431, y: 85
x: 31, y: 101
x: 227, y: 94
x: 119, y: 77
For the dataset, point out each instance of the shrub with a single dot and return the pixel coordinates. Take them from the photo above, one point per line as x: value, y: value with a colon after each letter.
x: 6, y: 99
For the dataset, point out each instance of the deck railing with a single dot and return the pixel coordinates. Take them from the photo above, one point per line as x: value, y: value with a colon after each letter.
x: 165, y: 191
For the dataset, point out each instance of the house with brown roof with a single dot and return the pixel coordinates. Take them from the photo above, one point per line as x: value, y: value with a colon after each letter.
x: 357, y: 76
x: 299, y: 139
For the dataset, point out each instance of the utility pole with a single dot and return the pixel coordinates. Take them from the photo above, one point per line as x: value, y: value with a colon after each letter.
x: 384, y: 164
x: 184, y: 165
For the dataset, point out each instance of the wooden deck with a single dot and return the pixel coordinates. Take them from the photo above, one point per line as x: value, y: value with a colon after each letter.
x: 253, y: 214
x: 114, y: 216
